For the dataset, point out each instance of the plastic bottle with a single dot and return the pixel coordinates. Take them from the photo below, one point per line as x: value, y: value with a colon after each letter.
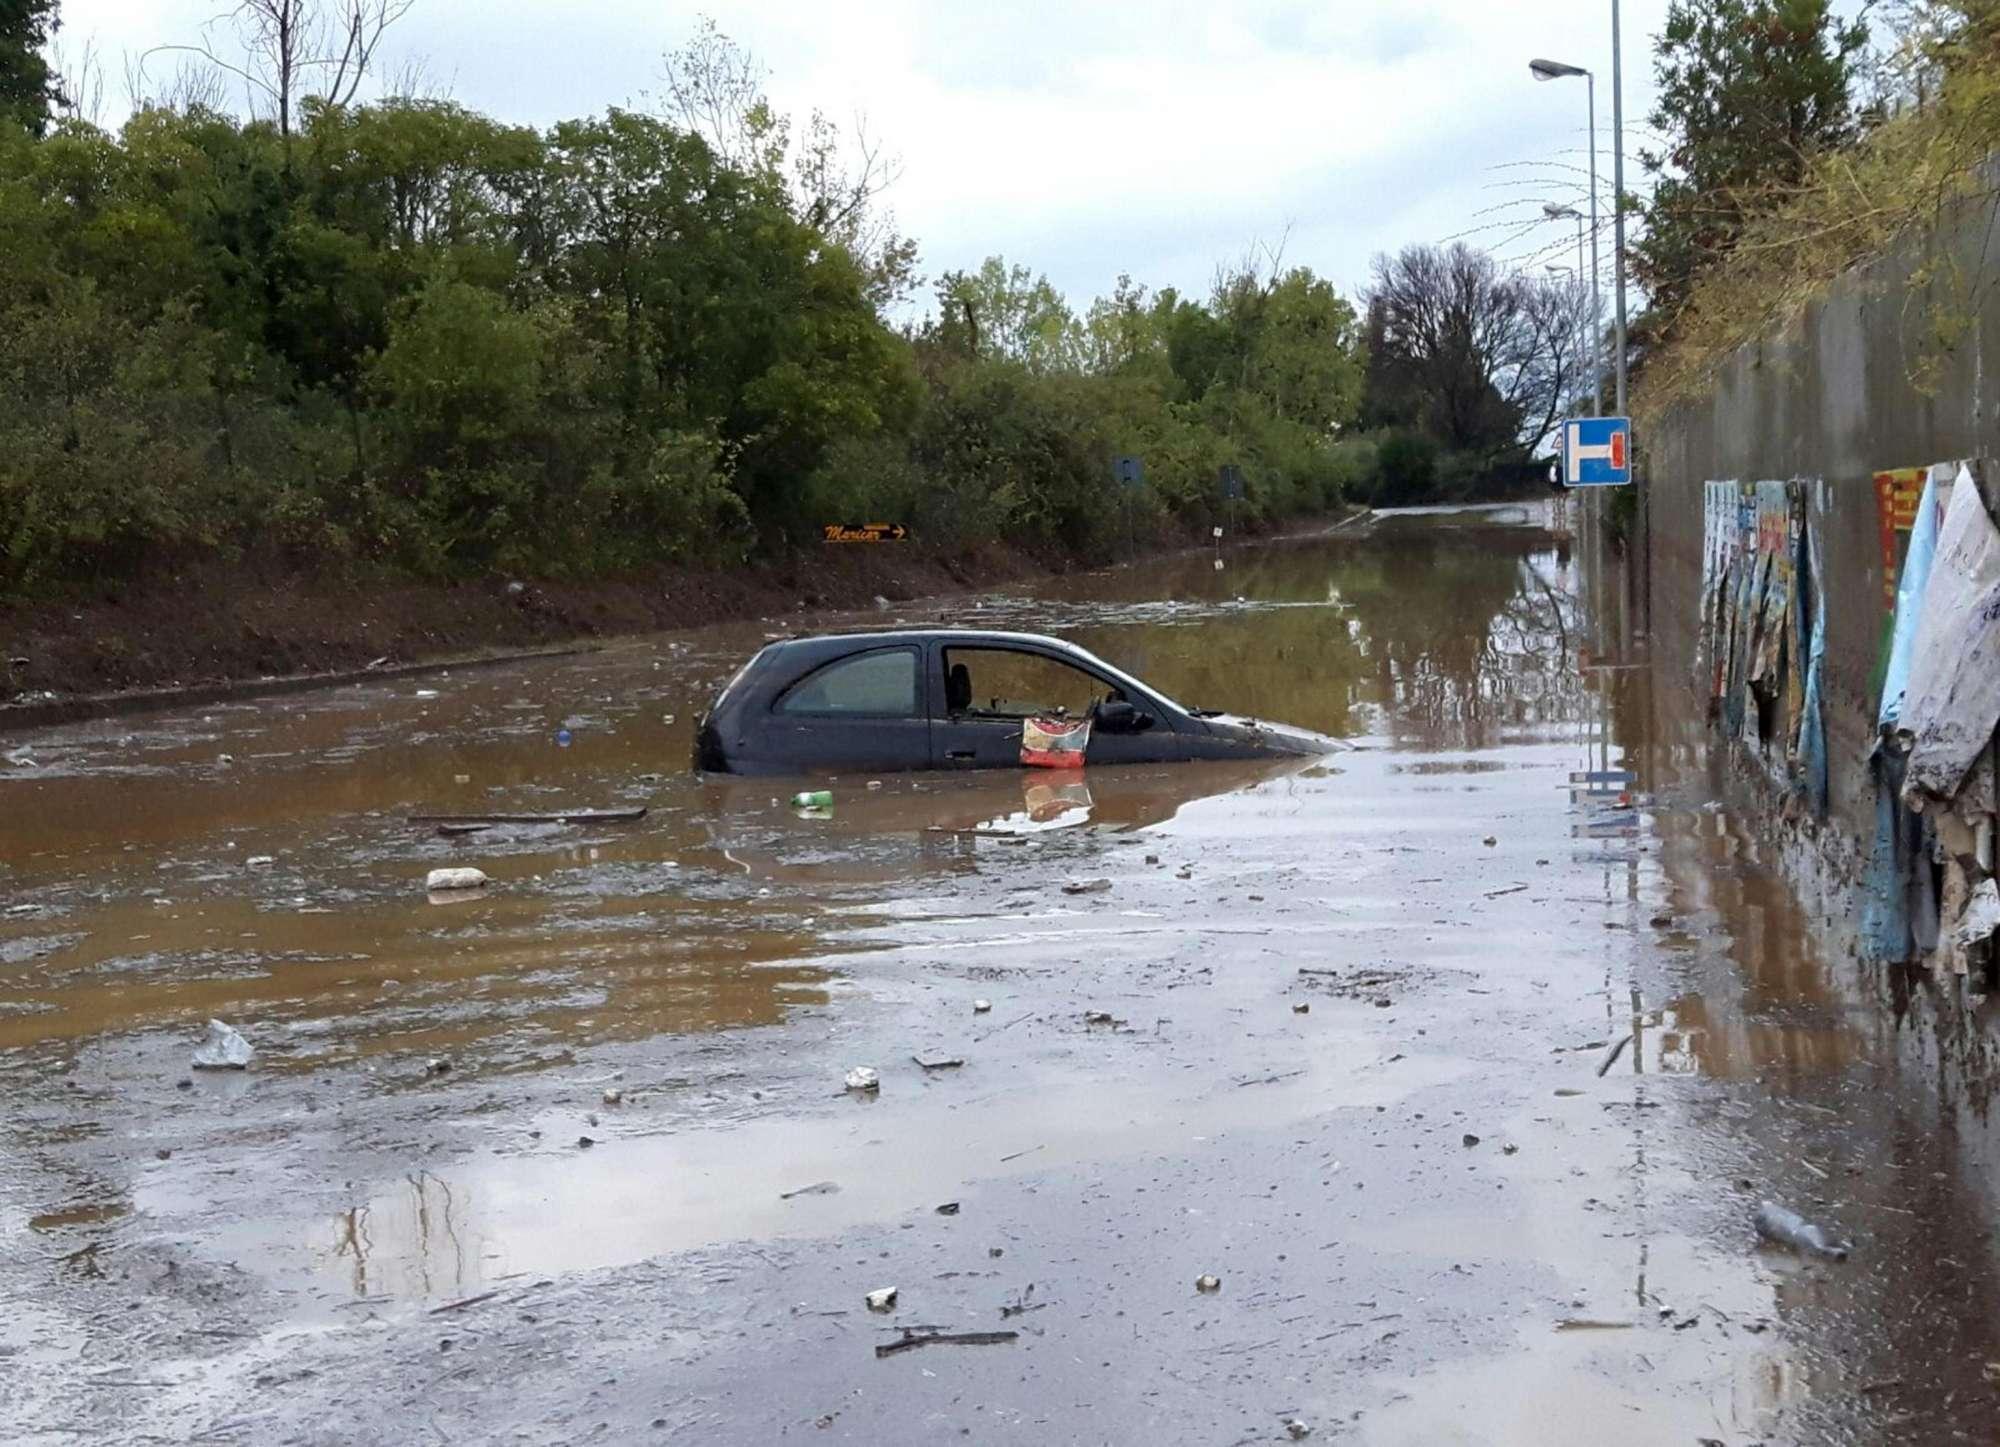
x: 813, y: 799
x: 1788, y: 1228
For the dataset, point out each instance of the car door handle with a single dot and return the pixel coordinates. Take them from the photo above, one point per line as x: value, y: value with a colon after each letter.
x: 960, y: 753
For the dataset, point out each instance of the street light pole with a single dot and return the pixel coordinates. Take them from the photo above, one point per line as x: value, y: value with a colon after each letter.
x: 1557, y: 70
x: 1618, y: 191
x: 1556, y: 213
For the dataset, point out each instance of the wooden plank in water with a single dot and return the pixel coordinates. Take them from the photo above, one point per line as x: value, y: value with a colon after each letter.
x: 568, y: 816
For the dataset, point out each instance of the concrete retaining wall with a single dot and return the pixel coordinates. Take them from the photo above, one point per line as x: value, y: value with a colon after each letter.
x: 1835, y: 396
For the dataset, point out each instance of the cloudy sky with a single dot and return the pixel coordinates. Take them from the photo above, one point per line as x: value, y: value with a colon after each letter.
x: 1092, y: 137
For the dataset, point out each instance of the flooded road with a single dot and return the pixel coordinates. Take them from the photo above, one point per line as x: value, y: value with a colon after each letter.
x: 572, y: 1160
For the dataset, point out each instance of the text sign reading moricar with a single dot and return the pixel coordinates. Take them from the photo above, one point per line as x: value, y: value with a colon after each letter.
x: 866, y: 533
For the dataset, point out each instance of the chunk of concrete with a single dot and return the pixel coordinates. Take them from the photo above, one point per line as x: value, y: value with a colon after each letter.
x: 222, y: 1049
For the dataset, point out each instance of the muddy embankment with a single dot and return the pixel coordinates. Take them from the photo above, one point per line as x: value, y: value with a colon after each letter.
x: 216, y: 632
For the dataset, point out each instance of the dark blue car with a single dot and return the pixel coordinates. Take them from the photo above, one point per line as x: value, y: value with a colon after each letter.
x: 946, y: 698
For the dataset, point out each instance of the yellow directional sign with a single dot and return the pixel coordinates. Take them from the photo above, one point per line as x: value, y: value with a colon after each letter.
x: 866, y: 533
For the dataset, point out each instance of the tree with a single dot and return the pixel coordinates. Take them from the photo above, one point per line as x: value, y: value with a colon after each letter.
x: 292, y: 49
x: 1008, y: 312
x: 1749, y: 91
x: 715, y: 89
x: 28, y: 88
x: 1478, y: 359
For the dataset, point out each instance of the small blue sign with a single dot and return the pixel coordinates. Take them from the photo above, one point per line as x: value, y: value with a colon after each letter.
x: 1597, y: 451
x: 1129, y: 471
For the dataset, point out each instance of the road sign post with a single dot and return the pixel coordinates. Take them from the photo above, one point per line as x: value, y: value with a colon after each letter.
x: 1597, y: 452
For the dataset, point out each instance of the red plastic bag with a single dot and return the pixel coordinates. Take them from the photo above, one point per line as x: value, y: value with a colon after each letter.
x: 1054, y: 743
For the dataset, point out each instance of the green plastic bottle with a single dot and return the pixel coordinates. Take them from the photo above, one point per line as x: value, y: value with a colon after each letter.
x: 813, y: 799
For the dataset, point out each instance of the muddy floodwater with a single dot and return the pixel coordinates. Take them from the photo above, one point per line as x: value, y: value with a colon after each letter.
x: 1461, y: 1060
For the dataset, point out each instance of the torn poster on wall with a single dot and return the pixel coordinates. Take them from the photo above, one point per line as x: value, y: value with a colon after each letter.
x: 1758, y: 609
x: 1930, y: 872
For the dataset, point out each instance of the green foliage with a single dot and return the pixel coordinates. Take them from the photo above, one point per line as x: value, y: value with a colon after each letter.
x: 1851, y: 204
x: 1750, y: 91
x: 28, y: 90
x: 412, y: 337
x: 1407, y: 469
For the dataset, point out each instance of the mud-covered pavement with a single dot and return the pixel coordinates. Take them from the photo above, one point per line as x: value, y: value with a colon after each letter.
x: 572, y: 1161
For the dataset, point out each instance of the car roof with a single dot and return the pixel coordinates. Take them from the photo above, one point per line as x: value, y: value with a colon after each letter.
x: 882, y: 637
x: 822, y: 648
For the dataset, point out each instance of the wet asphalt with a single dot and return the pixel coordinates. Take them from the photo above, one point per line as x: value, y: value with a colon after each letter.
x: 1460, y: 1074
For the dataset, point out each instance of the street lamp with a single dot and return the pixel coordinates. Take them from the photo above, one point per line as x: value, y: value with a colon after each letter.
x: 1559, y: 70
x: 1564, y: 213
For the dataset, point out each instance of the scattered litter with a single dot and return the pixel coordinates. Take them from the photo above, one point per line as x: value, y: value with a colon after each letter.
x: 259, y: 861
x: 15, y: 910
x: 613, y: 1096
x: 1086, y: 886
x: 817, y: 1188
x: 1297, y: 1430
x: 1661, y: 921
x: 1015, y: 1157
x: 1152, y: 859
x: 1788, y: 1228
x: 1511, y: 889
x: 1568, y: 1091
x: 438, y: 1065
x: 882, y: 1298
x: 223, y: 1049
x: 863, y: 1078
x: 1301, y: 1007
x: 1509, y: 1149
x: 874, y: 783
x: 813, y: 799
x: 912, y: 1340
x: 949, y: 1208
x: 452, y: 881
x: 585, y: 1142
x: 1611, y: 1057
x: 427, y: 693
x: 981, y: 1007
x: 1470, y: 1140
x: 1023, y: 1303
x: 1489, y: 841
x: 942, y: 1062
x: 1584, y: 1323
x: 1098, y: 1017
x: 1208, y: 1283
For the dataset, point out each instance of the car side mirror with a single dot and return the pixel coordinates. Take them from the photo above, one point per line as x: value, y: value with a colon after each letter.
x: 1116, y: 716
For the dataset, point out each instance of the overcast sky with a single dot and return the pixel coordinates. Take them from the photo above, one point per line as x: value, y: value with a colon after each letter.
x: 1092, y: 137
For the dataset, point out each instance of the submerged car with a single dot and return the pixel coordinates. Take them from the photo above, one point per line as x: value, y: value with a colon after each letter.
x: 948, y: 698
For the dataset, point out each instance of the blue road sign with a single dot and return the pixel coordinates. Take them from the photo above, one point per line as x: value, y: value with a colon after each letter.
x: 1597, y: 451
x: 1129, y: 471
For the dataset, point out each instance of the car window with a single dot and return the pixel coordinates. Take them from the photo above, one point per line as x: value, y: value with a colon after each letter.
x: 1005, y: 683
x: 879, y: 684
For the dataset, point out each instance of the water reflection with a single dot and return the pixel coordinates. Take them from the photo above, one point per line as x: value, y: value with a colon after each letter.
x: 130, y: 847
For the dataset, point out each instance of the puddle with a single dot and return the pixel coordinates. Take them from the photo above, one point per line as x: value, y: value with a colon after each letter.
x: 70, y: 1216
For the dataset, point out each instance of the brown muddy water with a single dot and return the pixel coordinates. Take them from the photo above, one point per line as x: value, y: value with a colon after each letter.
x: 572, y: 1161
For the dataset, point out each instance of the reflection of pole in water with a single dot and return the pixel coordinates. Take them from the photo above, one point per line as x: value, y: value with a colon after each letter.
x: 421, y: 1185
x: 351, y: 1239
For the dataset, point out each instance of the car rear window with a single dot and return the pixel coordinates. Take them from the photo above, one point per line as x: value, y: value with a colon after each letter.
x: 882, y: 684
